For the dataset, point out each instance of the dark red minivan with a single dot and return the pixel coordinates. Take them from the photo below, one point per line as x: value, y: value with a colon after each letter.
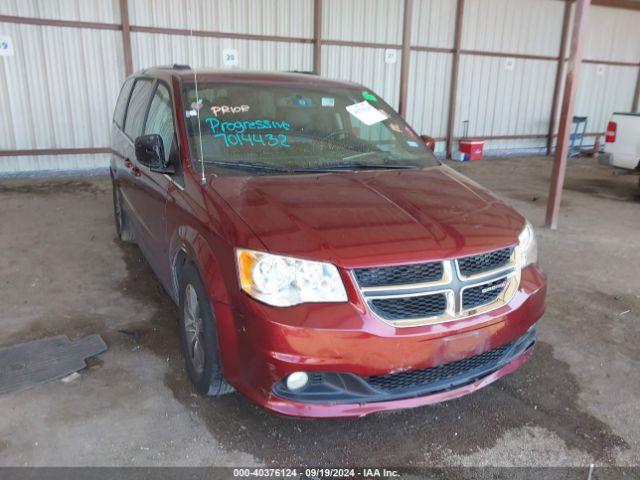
x: 324, y: 262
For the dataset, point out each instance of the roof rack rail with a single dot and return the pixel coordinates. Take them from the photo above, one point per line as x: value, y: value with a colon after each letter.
x: 175, y: 66
x: 304, y: 72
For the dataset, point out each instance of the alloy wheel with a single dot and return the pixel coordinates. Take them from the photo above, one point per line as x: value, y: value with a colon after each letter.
x: 193, y: 326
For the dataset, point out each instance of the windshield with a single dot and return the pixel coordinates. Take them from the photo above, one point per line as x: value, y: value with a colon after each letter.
x: 290, y: 128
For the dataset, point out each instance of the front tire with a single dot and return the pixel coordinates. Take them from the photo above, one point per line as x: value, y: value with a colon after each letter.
x: 199, y: 336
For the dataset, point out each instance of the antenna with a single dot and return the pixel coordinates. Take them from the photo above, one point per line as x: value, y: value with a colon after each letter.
x: 203, y: 178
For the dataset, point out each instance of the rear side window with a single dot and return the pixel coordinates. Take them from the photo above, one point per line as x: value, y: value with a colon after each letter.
x: 137, y: 108
x: 121, y: 104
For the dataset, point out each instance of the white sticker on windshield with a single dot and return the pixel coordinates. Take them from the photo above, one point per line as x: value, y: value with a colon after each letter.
x: 328, y: 102
x: 413, y: 144
x: 366, y: 113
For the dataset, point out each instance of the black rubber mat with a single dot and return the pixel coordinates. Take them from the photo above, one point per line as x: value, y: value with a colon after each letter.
x: 27, y: 364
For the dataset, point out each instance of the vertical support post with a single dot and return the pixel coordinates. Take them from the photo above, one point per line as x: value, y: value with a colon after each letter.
x: 636, y: 97
x: 126, y: 36
x: 555, y: 103
x: 406, y: 56
x: 317, y: 36
x: 566, y: 114
x: 455, y: 63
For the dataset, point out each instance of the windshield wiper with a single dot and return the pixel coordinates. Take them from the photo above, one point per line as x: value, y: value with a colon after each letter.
x: 340, y: 167
x: 363, y: 154
x: 261, y: 167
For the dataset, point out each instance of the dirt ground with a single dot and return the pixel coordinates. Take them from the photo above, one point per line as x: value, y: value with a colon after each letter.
x: 574, y: 403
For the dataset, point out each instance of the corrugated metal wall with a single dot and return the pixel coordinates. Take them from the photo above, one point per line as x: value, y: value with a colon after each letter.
x: 501, y: 96
x: 150, y: 49
x: 498, y: 100
x: 429, y: 86
x: 604, y: 89
x: 365, y: 66
x: 371, y: 21
x: 524, y: 26
x: 55, y: 103
x: 106, y: 11
x: 63, y: 81
x: 60, y: 86
x: 613, y: 34
x: 287, y: 18
x: 374, y: 21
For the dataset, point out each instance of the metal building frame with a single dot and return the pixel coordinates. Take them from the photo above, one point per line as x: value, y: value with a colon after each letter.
x: 566, y: 115
x: 582, y: 7
x: 317, y: 41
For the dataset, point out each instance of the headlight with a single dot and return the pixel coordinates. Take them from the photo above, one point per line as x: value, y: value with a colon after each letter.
x: 285, y: 281
x: 528, y: 246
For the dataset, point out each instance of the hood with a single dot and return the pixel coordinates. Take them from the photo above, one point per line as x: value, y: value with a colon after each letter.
x: 365, y: 218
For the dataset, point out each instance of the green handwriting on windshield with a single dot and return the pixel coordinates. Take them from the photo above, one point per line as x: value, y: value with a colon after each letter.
x: 250, y: 132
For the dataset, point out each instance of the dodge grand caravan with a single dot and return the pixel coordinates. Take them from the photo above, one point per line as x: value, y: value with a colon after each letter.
x: 325, y: 264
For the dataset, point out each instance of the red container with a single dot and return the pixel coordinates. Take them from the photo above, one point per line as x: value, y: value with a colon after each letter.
x: 430, y: 142
x: 473, y: 148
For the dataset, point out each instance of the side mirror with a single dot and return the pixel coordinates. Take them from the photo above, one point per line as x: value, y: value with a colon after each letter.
x: 430, y: 142
x: 150, y: 152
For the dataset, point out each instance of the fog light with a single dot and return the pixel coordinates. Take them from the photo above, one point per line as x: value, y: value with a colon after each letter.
x: 297, y: 380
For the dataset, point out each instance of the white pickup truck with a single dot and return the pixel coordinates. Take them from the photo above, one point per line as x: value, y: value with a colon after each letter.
x: 622, y: 147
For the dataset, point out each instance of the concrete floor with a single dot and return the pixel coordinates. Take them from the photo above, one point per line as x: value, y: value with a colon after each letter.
x: 575, y: 402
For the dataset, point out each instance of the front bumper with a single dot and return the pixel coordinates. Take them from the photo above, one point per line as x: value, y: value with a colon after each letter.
x: 341, y: 388
x: 302, y: 409
x: 355, y: 343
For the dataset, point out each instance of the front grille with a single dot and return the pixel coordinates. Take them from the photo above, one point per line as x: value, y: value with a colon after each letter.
x: 399, y: 275
x: 417, y: 378
x: 439, y: 291
x: 407, y: 308
x: 482, y: 294
x: 484, y: 262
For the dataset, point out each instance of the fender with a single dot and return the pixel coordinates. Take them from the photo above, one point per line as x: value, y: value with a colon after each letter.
x: 202, y: 239
x: 192, y: 243
x: 195, y: 248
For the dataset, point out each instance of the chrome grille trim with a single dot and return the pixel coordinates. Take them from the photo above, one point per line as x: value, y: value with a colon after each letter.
x: 453, y: 285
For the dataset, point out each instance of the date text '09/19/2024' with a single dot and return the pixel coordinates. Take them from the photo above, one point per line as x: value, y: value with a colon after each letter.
x: 249, y: 132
